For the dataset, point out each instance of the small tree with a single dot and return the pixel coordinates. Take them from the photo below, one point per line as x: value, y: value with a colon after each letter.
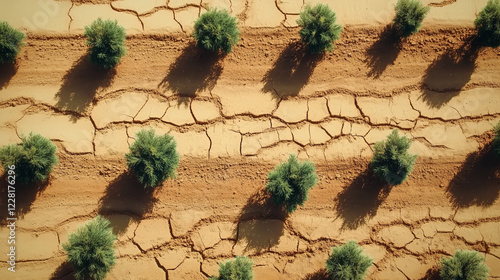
x: 319, y: 29
x: 33, y: 159
x: 391, y: 160
x: 464, y: 265
x: 10, y: 42
x: 496, y: 140
x: 347, y: 262
x: 488, y: 24
x: 216, y: 30
x: 153, y: 159
x: 239, y: 268
x: 90, y: 250
x: 289, y: 182
x: 409, y: 16
x: 106, y: 41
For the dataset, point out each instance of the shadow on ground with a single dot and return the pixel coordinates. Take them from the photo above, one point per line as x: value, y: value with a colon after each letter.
x: 261, y: 206
x: 291, y: 71
x: 125, y: 200
x: 478, y: 180
x: 383, y: 52
x: 432, y: 274
x: 63, y: 272
x: 261, y: 222
x: 25, y: 196
x: 81, y: 83
x: 361, y: 199
x: 449, y: 73
x: 7, y: 71
x: 193, y: 71
x: 318, y: 275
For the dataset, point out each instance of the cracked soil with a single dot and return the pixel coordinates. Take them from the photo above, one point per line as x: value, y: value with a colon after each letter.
x: 235, y: 118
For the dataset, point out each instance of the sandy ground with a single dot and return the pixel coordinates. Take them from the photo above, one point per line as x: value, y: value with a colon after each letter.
x: 240, y: 115
x: 70, y: 16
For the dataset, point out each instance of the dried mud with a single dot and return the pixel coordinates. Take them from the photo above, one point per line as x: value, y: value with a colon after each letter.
x: 235, y: 117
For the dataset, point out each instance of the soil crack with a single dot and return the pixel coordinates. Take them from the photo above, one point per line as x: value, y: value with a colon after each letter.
x: 128, y: 11
x: 442, y: 4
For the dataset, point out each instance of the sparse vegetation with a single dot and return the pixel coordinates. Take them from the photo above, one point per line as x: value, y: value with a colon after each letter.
x: 496, y: 140
x: 464, y: 265
x: 409, y: 16
x: 319, y: 29
x: 239, y: 268
x: 33, y: 158
x: 10, y: 42
x: 347, y: 262
x: 90, y: 250
x: 289, y: 182
x: 216, y: 30
x: 488, y: 24
x: 391, y: 160
x: 106, y: 41
x: 153, y: 159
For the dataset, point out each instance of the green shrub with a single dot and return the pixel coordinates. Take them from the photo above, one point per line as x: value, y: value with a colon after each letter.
x: 216, y: 30
x: 464, y: 265
x: 90, y: 250
x: 347, y: 262
x: 409, y: 16
x: 239, y: 268
x: 34, y: 158
x: 391, y: 160
x: 289, y: 182
x: 319, y: 29
x: 153, y: 159
x: 496, y: 140
x: 488, y: 24
x: 10, y: 42
x: 106, y: 41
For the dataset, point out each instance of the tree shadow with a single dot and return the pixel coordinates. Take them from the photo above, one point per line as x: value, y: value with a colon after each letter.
x: 478, y: 180
x: 291, y: 71
x: 384, y: 51
x: 432, y: 274
x: 25, y: 196
x: 81, y: 83
x: 261, y: 206
x: 260, y: 222
x: 318, y: 275
x: 63, y: 272
x: 449, y: 73
x: 193, y: 71
x: 126, y: 197
x: 7, y: 71
x: 361, y: 199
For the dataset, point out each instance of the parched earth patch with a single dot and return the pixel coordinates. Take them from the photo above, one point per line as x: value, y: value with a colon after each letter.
x: 230, y: 134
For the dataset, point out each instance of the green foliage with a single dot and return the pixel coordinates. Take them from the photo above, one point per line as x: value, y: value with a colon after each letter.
x: 90, y: 250
x: 34, y: 158
x: 106, y: 41
x: 488, y: 24
x: 216, y: 30
x: 347, y: 262
x: 391, y: 160
x: 409, y: 16
x: 153, y: 159
x: 464, y: 265
x: 10, y: 42
x: 319, y: 29
x: 496, y: 140
x: 289, y: 182
x: 239, y: 268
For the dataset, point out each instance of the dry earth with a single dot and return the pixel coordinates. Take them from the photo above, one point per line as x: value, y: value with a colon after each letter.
x: 238, y: 116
